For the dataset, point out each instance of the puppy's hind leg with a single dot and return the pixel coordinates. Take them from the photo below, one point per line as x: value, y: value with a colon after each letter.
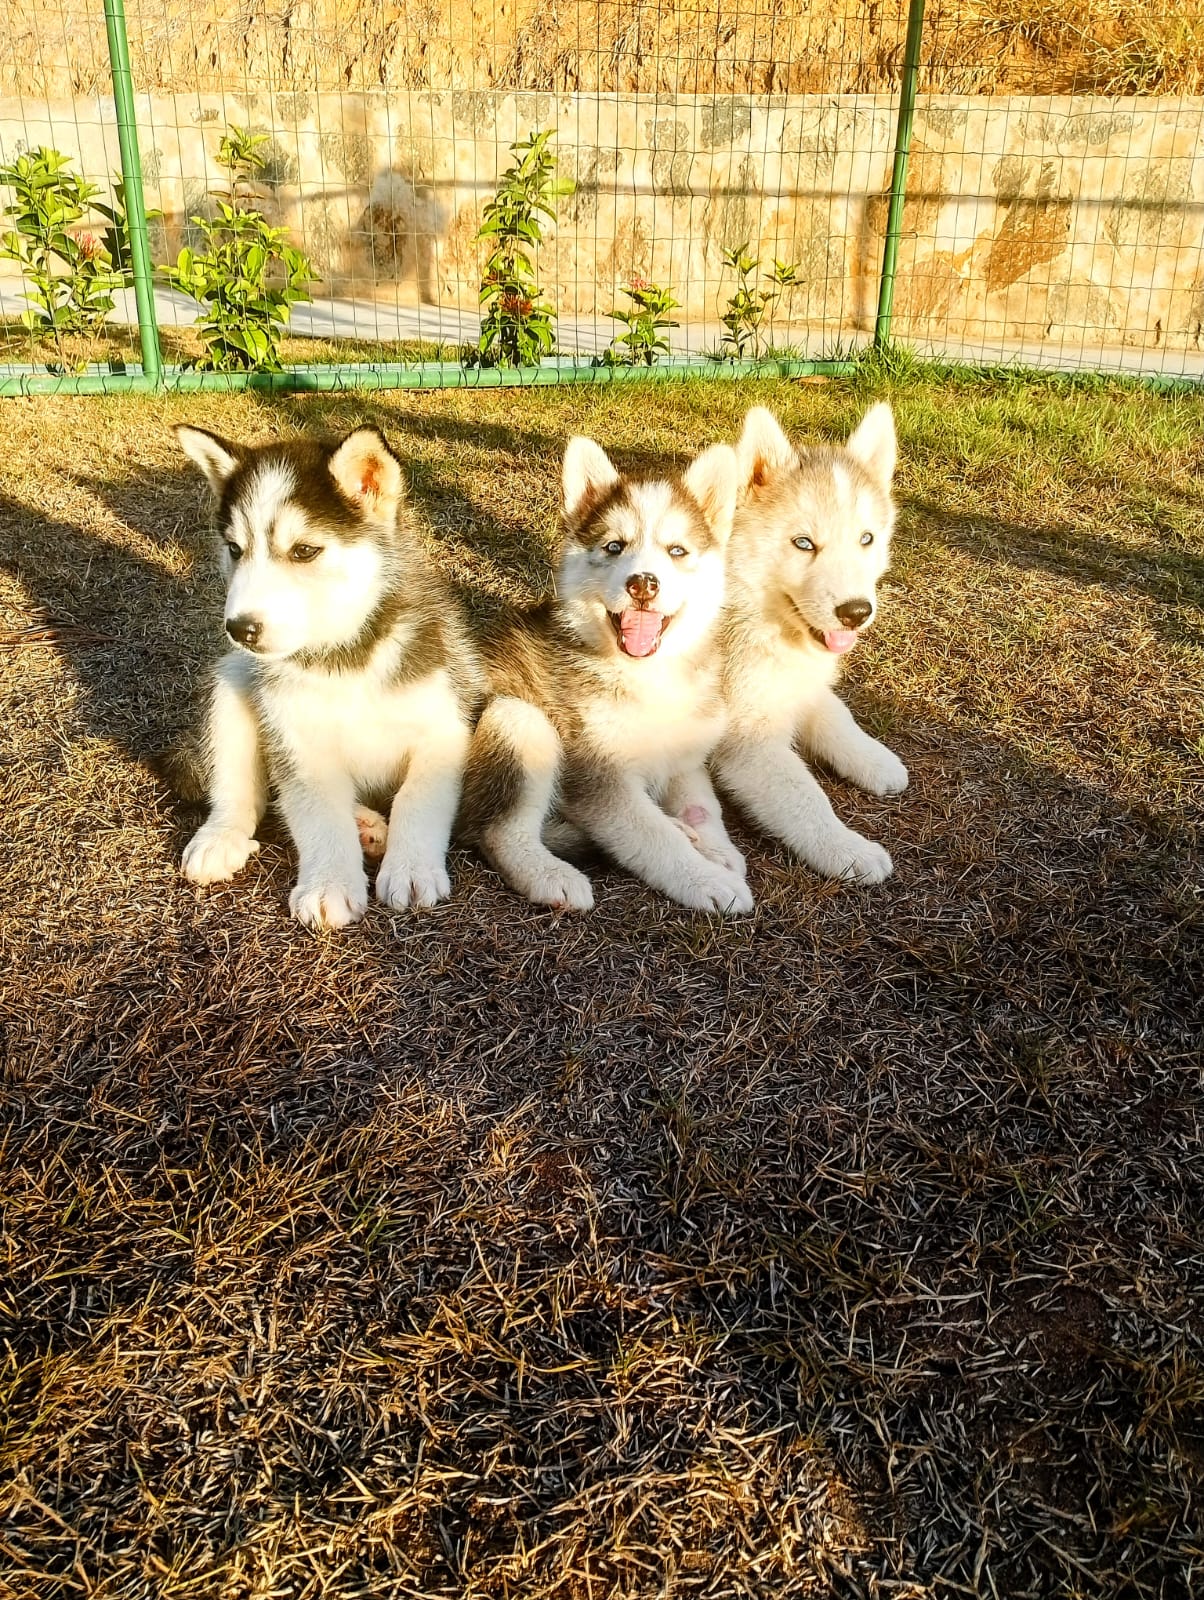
x: 238, y: 785
x: 513, y: 767
x: 690, y: 800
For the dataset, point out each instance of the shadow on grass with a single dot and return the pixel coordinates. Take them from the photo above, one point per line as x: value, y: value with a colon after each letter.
x: 855, y: 1240
x: 1171, y: 577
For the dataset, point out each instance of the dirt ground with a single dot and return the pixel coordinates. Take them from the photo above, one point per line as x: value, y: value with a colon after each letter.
x: 852, y: 1248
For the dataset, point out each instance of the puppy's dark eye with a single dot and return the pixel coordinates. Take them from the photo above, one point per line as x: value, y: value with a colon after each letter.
x: 304, y: 552
x: 677, y: 551
x: 803, y: 543
x: 233, y: 550
x: 613, y: 547
x: 867, y: 538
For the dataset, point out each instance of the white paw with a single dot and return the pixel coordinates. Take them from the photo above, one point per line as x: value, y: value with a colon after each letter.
x: 859, y: 860
x: 882, y: 773
x: 560, y: 886
x: 717, y: 890
x: 215, y: 854
x: 328, y: 905
x: 411, y: 885
x: 373, y: 830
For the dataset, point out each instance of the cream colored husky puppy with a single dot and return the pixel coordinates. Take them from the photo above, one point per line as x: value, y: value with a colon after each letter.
x: 810, y: 543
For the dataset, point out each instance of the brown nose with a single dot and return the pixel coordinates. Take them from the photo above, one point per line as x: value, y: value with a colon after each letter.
x: 643, y: 587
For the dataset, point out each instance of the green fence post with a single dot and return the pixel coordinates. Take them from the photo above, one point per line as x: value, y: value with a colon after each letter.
x: 135, y: 202
x: 898, y: 181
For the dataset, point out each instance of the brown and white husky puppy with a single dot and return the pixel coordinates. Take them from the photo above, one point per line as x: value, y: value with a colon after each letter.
x: 606, y: 699
x: 352, y: 674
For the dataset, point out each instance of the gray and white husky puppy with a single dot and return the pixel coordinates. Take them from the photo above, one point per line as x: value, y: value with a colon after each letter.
x: 606, y: 699
x: 352, y: 674
x: 810, y: 544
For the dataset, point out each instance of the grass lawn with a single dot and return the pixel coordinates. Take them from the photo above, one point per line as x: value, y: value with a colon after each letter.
x: 852, y: 1248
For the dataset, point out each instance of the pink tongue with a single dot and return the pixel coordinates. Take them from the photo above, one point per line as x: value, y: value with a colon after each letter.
x: 640, y: 631
x: 838, y: 640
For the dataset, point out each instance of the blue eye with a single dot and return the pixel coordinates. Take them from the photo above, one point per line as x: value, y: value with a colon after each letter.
x: 867, y: 538
x: 677, y: 551
x: 803, y: 543
x: 614, y: 547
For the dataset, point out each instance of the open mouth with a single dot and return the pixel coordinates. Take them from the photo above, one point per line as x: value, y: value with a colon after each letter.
x: 639, y: 630
x: 839, y: 641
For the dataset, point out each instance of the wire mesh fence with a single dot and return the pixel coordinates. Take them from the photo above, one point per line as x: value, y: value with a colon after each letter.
x: 339, y: 192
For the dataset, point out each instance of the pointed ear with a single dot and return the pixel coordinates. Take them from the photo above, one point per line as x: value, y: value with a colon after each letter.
x: 713, y: 480
x: 873, y: 443
x: 216, y: 459
x: 587, y: 474
x: 368, y: 473
x: 763, y: 448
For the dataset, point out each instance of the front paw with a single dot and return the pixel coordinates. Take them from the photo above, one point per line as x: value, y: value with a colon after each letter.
x: 561, y: 887
x: 717, y: 890
x: 880, y: 773
x: 214, y: 854
x: 859, y: 860
x: 329, y: 905
x: 407, y: 885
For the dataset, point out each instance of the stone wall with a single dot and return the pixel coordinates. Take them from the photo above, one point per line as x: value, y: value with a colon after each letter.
x: 1051, y: 219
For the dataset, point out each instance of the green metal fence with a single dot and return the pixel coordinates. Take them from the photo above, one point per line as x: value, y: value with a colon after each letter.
x: 790, y: 183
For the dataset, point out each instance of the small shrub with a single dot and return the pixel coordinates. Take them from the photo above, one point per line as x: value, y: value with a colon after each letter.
x: 646, y: 320
x: 519, y: 328
x: 70, y: 272
x: 116, y: 236
x: 247, y: 277
x: 749, y: 309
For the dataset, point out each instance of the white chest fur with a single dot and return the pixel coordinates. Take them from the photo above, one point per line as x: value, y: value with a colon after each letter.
x: 667, y: 720
x: 359, y: 725
x: 770, y: 682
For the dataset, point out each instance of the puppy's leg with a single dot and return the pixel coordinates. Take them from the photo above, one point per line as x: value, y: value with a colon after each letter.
x: 238, y: 786
x: 332, y: 887
x: 413, y: 873
x: 691, y: 798
x: 829, y: 732
x: 617, y: 811
x: 512, y: 775
x: 777, y: 790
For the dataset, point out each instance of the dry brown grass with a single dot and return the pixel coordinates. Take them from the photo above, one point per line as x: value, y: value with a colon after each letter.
x: 619, y: 46
x: 853, y: 1248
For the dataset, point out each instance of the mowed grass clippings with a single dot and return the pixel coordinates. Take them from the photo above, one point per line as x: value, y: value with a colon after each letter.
x: 852, y: 1248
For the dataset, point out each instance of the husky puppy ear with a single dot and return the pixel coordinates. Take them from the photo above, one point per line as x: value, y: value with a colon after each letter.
x: 368, y: 473
x: 873, y: 443
x: 763, y: 449
x: 216, y: 457
x: 588, y: 473
x: 712, y: 480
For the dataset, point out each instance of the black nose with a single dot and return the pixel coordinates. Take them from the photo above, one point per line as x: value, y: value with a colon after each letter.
x: 643, y: 586
x: 853, y: 612
x: 245, y: 630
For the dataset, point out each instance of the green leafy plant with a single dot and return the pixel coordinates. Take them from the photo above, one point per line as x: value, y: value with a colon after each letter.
x: 246, y: 276
x: 749, y: 310
x: 646, y: 320
x: 116, y: 236
x: 70, y: 272
x: 519, y: 327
